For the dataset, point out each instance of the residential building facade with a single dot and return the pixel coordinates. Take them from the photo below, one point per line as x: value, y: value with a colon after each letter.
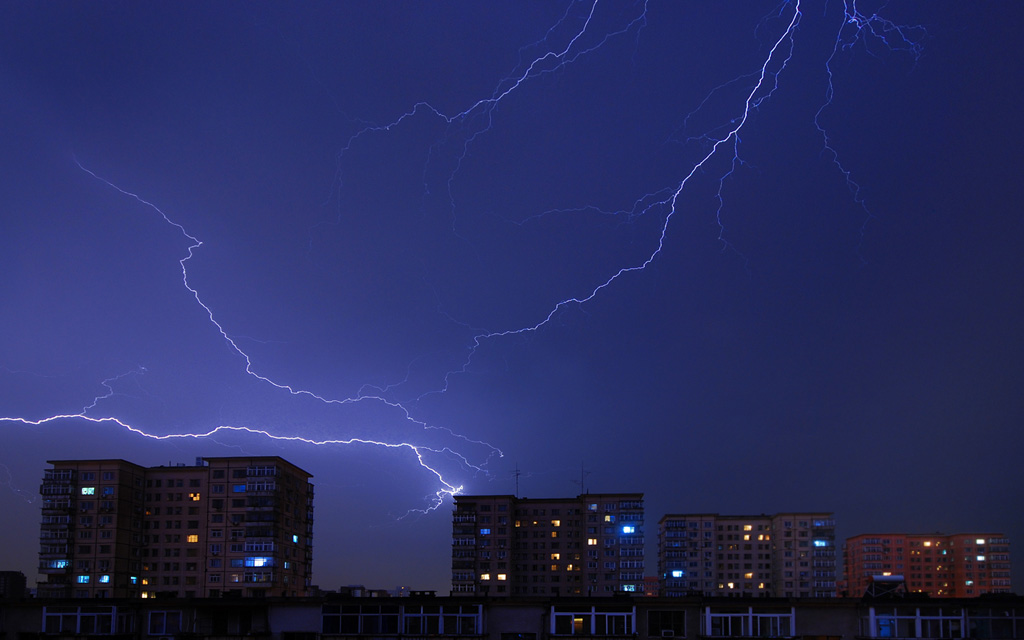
x: 226, y: 525
x: 960, y: 565
x: 504, y: 546
x: 781, y: 555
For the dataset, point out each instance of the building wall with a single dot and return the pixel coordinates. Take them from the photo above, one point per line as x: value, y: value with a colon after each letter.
x: 962, y: 565
x: 111, y: 528
x: 783, y: 555
x: 503, y: 546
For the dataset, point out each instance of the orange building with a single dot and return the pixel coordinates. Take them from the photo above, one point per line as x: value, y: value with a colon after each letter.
x: 960, y: 565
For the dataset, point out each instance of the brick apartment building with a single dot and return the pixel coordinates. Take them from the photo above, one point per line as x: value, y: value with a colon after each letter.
x: 232, y: 525
x: 504, y: 546
x: 960, y: 565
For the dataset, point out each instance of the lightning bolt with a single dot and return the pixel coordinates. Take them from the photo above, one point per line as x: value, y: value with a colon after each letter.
x: 464, y: 128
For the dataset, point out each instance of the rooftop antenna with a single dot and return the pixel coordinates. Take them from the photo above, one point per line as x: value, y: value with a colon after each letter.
x: 583, y: 474
x: 517, y: 473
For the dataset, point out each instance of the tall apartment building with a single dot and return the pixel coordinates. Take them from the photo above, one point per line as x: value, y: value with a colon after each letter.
x: 505, y: 546
x: 960, y: 565
x: 781, y: 555
x: 235, y: 525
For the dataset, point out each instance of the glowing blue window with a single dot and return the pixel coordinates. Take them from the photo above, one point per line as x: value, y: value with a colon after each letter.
x: 58, y: 564
x: 628, y: 528
x: 629, y: 587
x: 295, y: 539
x: 88, y: 491
x: 259, y: 561
x: 238, y: 488
x: 134, y: 579
x: 821, y: 543
x: 82, y: 579
x: 105, y: 579
x: 485, y: 532
x: 678, y: 573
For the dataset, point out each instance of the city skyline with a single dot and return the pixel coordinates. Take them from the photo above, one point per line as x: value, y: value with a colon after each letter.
x: 754, y: 258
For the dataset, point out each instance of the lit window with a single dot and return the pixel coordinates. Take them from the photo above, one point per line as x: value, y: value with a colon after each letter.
x: 194, y: 497
x: 556, y: 523
x: 677, y: 573
x: 83, y: 579
x: 259, y: 561
x: 821, y: 543
x: 193, y: 537
x: 88, y: 491
x: 980, y: 541
x: 105, y: 579
x: 731, y: 585
x: 145, y: 581
x: 485, y: 532
x: 970, y: 583
x: 591, y: 542
x: 502, y: 576
x: 748, y: 576
x: 554, y: 567
x: 485, y: 576
x: 760, y: 585
x: 628, y: 528
x: 981, y: 558
x: 556, y: 556
x: 133, y: 579
x: 746, y: 536
x: 629, y: 587
x: 238, y: 488
x: 748, y: 527
x: 928, y: 544
x: 295, y: 539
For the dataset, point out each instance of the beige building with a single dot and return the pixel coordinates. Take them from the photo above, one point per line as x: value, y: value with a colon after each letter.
x: 781, y: 555
x: 503, y: 546
x: 238, y: 525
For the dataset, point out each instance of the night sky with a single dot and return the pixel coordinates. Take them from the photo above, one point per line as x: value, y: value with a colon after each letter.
x: 392, y: 200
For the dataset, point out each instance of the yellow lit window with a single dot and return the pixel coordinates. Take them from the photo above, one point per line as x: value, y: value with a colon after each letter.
x: 502, y: 576
x: 928, y: 544
x: 568, y: 567
x: 591, y: 542
x: 748, y: 527
x: 145, y: 581
x: 746, y: 536
x: 485, y: 576
x: 556, y: 556
x: 609, y: 518
x: 554, y: 534
x: 193, y: 537
x: 748, y: 576
x: 554, y: 567
x: 732, y: 585
x: 194, y: 496
x: 760, y: 585
x: 517, y: 523
x: 556, y: 523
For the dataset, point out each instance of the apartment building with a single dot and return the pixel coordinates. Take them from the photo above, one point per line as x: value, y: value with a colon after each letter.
x: 504, y: 546
x: 226, y: 525
x: 960, y: 565
x: 781, y: 555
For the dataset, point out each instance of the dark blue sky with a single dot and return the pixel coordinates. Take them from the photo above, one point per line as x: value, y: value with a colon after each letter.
x: 796, y: 345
